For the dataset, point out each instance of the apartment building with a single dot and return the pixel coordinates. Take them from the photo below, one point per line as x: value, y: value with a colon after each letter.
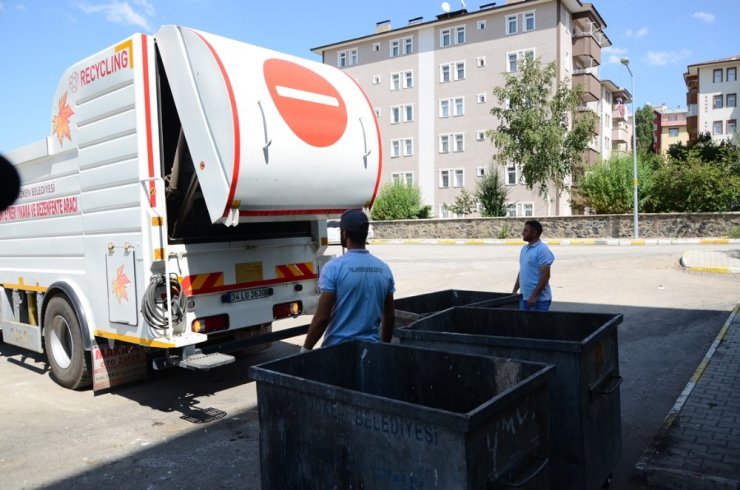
x: 431, y: 84
x: 712, y: 88
x: 669, y: 128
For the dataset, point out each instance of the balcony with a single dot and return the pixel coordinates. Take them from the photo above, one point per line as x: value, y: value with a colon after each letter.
x: 591, y: 85
x: 692, y: 126
x: 692, y: 97
x: 622, y: 148
x: 619, y: 116
x: 620, y: 135
x: 581, y: 114
x: 586, y: 49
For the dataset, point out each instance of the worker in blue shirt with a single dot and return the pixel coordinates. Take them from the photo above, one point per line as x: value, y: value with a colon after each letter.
x: 356, y: 300
x: 533, y: 279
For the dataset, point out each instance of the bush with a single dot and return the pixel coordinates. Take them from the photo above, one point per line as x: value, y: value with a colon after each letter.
x: 399, y: 201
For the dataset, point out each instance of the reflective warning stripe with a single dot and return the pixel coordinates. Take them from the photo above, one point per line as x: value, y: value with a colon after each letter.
x: 295, y: 271
x: 202, y: 283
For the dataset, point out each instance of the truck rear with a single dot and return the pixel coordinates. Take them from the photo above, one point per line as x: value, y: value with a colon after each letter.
x: 178, y: 206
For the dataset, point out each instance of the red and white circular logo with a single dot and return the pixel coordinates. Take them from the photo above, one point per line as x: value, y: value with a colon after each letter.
x: 310, y: 105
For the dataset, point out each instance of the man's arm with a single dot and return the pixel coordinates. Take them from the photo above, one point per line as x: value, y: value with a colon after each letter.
x: 320, y: 319
x: 389, y: 319
x: 544, y: 278
x: 516, y: 284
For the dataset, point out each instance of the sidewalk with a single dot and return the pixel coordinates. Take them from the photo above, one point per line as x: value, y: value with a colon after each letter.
x: 556, y: 241
x: 698, y: 445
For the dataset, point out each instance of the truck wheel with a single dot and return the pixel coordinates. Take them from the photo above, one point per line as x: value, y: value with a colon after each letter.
x: 70, y: 365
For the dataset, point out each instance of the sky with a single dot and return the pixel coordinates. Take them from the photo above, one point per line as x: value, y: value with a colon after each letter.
x: 40, y: 39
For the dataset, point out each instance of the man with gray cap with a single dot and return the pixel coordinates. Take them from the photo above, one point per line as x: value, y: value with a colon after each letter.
x: 356, y: 300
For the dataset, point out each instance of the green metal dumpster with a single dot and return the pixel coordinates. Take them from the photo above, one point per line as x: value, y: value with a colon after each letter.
x: 412, y: 308
x: 383, y: 416
x: 584, y: 395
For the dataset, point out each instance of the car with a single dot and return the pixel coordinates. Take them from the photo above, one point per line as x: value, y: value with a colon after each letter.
x: 333, y: 235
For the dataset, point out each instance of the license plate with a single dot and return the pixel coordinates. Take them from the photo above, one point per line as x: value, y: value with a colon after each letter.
x: 246, y: 295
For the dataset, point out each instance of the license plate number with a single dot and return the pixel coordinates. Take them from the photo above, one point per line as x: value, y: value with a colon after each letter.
x: 247, y: 294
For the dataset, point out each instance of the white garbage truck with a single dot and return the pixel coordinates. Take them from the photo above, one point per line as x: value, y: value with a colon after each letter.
x: 178, y: 206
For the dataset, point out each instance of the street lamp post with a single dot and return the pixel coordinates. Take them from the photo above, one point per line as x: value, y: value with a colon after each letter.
x: 636, y: 232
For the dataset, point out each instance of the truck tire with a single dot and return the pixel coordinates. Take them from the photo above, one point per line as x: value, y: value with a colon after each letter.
x: 70, y: 364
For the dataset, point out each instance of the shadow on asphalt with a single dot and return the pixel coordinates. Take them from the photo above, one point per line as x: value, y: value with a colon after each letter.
x: 659, y: 349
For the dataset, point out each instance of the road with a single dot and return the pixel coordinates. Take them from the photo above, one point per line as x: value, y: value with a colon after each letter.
x: 186, y: 429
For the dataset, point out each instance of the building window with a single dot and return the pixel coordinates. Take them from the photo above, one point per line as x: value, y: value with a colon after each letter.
x: 513, y: 60
x: 673, y: 132
x: 525, y: 209
x: 445, y: 38
x: 347, y: 58
x: 481, y: 25
x: 404, y: 178
x: 528, y: 22
x: 408, y: 45
x: 717, y: 104
x: 444, y: 179
x: 481, y: 98
x: 511, y: 174
x: 408, y: 147
x: 353, y: 56
x: 480, y: 171
x: 376, y: 46
x: 395, y: 81
x: 396, y: 114
x: 342, y: 59
x: 731, y: 74
x: 511, y: 210
x: 511, y: 24
x: 377, y: 112
x: 731, y: 126
x: 460, y: 35
x: 731, y: 100
x: 395, y: 48
x: 395, y: 148
x: 458, y: 106
x: 480, y: 135
x: 408, y: 79
x: 459, y: 143
x: 444, y: 143
x: 408, y: 113
x: 717, y: 127
x: 718, y: 75
x: 460, y: 70
x: 444, y: 108
x: 459, y: 178
x: 444, y: 73
x: 376, y: 79
x: 480, y: 61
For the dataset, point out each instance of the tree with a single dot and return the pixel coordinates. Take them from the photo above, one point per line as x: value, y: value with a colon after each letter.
x: 607, y: 187
x: 533, y: 124
x: 464, y: 203
x: 492, y: 194
x: 399, y: 201
x: 644, y: 117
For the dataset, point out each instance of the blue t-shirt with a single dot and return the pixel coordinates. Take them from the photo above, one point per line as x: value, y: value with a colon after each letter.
x: 361, y: 283
x: 531, y: 259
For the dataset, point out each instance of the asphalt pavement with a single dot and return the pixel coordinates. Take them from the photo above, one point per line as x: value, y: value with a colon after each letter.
x: 698, y: 445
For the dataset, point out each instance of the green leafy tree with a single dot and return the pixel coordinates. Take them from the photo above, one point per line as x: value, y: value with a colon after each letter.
x: 725, y: 154
x: 607, y: 187
x: 399, y: 201
x: 645, y: 116
x: 492, y: 194
x: 533, y: 131
x: 464, y: 203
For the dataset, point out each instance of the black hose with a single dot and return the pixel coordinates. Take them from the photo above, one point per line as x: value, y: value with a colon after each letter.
x: 154, y: 307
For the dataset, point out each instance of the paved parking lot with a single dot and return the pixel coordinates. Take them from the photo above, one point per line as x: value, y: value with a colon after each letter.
x: 186, y: 429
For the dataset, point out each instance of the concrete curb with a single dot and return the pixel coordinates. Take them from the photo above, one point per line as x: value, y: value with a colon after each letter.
x: 557, y: 241
x: 681, y: 478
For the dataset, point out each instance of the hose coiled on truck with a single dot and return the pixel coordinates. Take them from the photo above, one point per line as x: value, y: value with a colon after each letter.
x: 154, y: 307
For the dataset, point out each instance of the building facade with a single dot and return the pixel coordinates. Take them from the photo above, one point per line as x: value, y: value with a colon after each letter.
x: 431, y: 84
x: 669, y: 128
x: 712, y: 88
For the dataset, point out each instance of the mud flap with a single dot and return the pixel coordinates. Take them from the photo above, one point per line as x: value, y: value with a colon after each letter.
x: 117, y: 365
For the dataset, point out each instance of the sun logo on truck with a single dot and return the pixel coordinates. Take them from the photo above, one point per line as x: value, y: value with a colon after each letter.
x: 119, y: 285
x: 60, y: 122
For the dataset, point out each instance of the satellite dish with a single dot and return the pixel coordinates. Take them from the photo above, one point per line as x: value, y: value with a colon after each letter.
x: 446, y: 6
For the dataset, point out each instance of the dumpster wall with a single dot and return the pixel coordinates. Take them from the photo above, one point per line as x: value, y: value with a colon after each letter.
x: 584, y: 395
x: 365, y: 415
